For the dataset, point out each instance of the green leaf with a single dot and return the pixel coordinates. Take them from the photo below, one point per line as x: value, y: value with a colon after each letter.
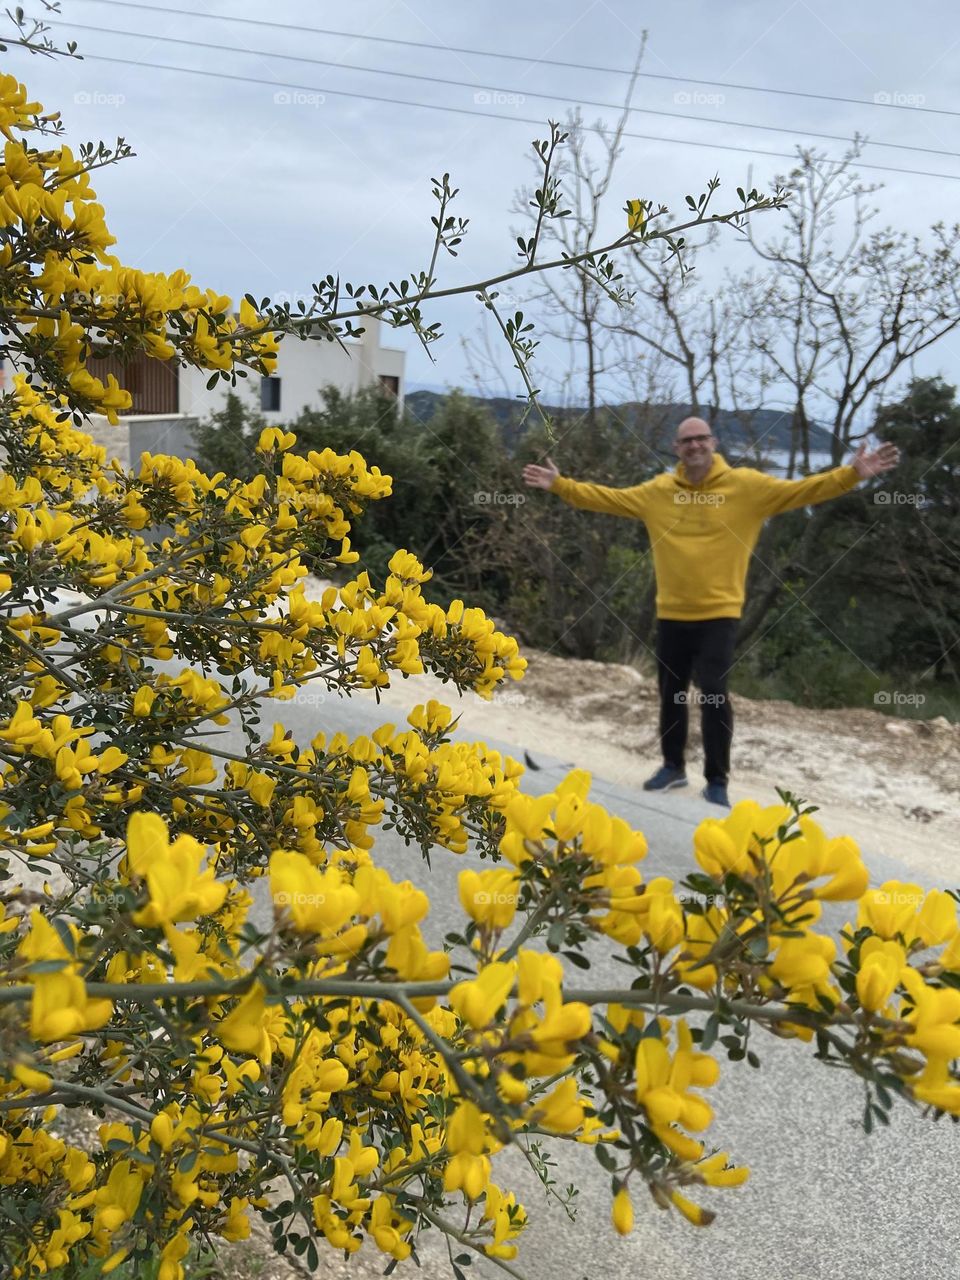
x: 711, y: 1030
x: 881, y: 1114
x: 605, y: 1157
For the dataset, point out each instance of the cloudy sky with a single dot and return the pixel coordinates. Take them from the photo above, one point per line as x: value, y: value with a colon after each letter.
x: 296, y: 156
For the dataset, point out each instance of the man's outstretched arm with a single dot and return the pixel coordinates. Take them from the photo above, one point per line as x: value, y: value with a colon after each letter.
x: 630, y: 502
x: 775, y: 495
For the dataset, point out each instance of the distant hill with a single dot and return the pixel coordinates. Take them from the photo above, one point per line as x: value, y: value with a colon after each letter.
x: 770, y: 426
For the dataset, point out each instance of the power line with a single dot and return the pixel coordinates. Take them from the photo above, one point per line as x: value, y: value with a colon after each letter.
x: 516, y: 57
x: 490, y: 115
x: 498, y: 89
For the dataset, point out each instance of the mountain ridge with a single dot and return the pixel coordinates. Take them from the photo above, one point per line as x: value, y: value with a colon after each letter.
x: 770, y: 428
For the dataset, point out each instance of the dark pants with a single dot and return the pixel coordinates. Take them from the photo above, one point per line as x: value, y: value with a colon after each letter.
x: 704, y: 650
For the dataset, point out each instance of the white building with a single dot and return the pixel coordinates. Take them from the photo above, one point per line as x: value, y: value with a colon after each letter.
x: 169, y: 402
x: 303, y: 370
x: 159, y: 389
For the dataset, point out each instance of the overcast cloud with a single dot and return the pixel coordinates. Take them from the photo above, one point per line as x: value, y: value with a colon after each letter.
x: 248, y: 192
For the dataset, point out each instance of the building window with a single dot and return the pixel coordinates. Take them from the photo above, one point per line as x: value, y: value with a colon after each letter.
x: 153, y: 384
x: 270, y: 395
x: 389, y: 382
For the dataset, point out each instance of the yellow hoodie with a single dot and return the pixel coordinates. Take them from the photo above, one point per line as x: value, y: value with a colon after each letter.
x: 702, y: 536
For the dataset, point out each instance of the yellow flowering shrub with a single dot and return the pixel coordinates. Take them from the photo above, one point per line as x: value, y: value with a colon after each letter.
x: 332, y: 1052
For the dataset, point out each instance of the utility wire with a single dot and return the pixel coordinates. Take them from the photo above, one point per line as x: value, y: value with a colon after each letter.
x: 498, y: 89
x: 491, y: 115
x: 529, y: 61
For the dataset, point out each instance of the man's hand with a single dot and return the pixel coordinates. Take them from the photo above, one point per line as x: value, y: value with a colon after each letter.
x: 540, y: 477
x: 875, y: 463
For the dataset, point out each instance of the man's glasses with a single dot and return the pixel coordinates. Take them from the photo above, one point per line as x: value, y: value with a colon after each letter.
x: 694, y: 440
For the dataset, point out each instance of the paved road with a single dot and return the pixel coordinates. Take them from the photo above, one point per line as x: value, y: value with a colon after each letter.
x: 824, y: 1200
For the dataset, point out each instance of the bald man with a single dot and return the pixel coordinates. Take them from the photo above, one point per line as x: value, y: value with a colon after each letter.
x: 704, y: 518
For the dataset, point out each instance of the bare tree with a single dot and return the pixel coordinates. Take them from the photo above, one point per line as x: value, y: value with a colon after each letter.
x: 833, y: 317
x: 839, y: 310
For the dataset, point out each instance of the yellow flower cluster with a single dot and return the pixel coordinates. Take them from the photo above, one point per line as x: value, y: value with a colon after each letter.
x: 766, y: 941
x: 62, y: 284
x: 59, y: 1007
x: 227, y: 579
x: 332, y: 1046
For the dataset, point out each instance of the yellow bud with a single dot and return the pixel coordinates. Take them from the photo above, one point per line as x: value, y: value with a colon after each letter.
x: 622, y: 1212
x: 161, y: 1131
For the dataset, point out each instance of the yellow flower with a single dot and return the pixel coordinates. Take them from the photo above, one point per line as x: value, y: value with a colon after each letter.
x: 716, y: 1173
x: 803, y: 961
x: 561, y: 1110
x: 315, y: 901
x: 173, y: 1252
x: 178, y: 889
x: 116, y: 1201
x: 244, y: 1028
x: 636, y: 216
x: 891, y: 910
x: 622, y: 1212
x: 385, y: 1234
x: 692, y: 1212
x: 478, y: 1001
x: 161, y: 1130
x: 937, y: 918
x: 490, y: 897
x: 272, y: 438
x: 561, y: 1025
x: 714, y: 849
x: 60, y: 1008
x: 664, y: 923
x: 881, y: 964
x: 539, y: 974
x: 934, y: 1017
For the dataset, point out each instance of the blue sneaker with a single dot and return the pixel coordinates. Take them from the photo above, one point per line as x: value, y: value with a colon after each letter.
x: 667, y: 778
x: 716, y: 793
